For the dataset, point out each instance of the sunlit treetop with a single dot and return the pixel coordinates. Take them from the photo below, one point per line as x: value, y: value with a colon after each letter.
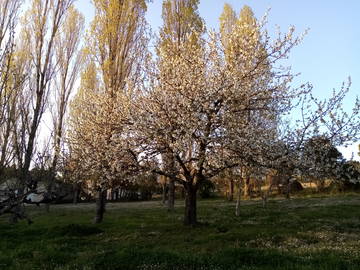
x: 181, y: 18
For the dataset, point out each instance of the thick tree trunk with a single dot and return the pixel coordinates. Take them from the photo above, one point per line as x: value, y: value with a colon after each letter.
x: 182, y: 193
x: 171, y: 195
x: 117, y: 194
x: 231, y: 190
x: 100, y: 206
x: 190, y: 217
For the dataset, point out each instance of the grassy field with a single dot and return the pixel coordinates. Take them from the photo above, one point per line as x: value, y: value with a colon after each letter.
x: 303, y: 233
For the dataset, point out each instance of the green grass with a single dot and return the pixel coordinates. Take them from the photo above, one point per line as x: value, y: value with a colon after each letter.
x: 303, y: 233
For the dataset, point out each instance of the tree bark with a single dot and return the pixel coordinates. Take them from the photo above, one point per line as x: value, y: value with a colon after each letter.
x: 238, y: 200
x: 288, y: 188
x: 247, y: 188
x: 100, y: 206
x: 264, y: 197
x: 18, y: 212
x: 48, y: 193
x: 231, y: 190
x: 171, y: 195
x: 164, y: 193
x: 76, y: 193
x: 266, y: 194
x: 169, y: 164
x: 190, y: 217
x: 182, y: 193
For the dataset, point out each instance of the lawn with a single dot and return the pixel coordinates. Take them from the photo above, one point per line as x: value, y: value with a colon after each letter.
x: 301, y: 233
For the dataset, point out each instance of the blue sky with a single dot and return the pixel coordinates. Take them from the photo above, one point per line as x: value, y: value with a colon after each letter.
x: 329, y: 53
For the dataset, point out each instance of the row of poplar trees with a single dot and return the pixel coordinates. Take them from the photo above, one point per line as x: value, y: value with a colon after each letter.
x: 199, y: 103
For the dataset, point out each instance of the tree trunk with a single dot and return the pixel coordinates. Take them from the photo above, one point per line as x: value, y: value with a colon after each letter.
x: 267, y: 194
x: 320, y: 185
x: 76, y: 192
x: 288, y: 187
x: 19, y: 210
x: 265, y: 197
x: 247, y: 188
x: 17, y: 213
x: 190, y: 217
x: 76, y: 196
x: 48, y: 193
x: 263, y: 194
x: 231, y: 190
x: 164, y: 195
x: 171, y: 195
x: 238, y: 200
x: 100, y: 206
x: 169, y: 165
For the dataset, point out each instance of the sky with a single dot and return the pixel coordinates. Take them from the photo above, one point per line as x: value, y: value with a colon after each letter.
x: 329, y: 53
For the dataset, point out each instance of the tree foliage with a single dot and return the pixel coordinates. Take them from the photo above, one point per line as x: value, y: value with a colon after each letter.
x: 208, y: 102
x: 116, y: 47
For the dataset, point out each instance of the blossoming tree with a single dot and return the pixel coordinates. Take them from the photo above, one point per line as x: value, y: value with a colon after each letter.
x: 226, y: 95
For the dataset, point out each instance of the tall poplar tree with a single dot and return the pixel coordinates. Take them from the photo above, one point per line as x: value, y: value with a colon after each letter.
x: 36, y: 49
x: 180, y: 20
x: 11, y: 80
x: 117, y: 47
x: 245, y: 55
x: 228, y: 20
x: 70, y: 59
